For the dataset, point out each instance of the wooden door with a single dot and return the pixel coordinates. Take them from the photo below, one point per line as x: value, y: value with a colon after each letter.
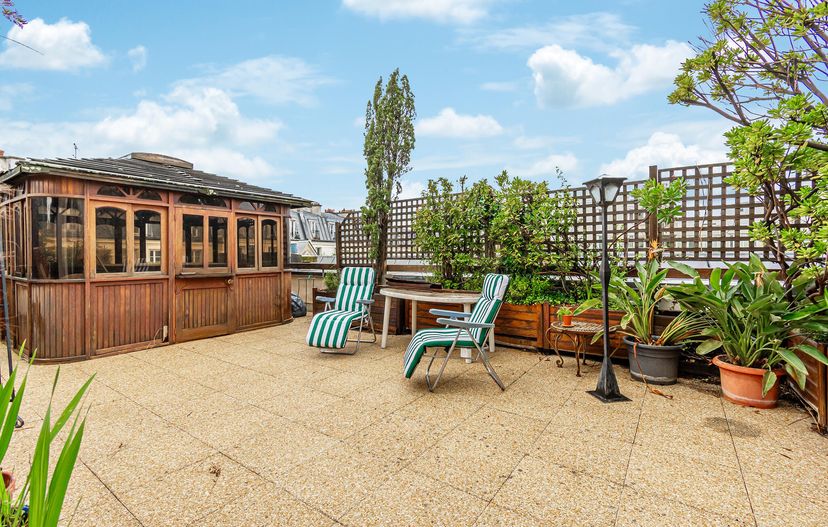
x: 203, y: 307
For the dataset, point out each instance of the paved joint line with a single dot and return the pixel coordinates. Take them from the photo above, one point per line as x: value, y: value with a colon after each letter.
x: 629, y: 458
x: 112, y: 493
x: 738, y: 461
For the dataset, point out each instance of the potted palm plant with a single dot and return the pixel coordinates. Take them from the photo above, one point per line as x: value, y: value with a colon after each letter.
x: 565, y: 314
x: 654, y: 355
x: 748, y: 316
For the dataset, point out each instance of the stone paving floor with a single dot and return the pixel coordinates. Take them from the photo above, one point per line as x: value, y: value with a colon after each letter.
x: 257, y: 429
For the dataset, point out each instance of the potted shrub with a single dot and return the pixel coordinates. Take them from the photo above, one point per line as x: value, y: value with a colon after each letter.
x: 565, y: 314
x: 748, y: 316
x: 654, y: 355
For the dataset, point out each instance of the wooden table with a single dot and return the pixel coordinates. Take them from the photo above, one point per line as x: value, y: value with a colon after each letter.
x: 435, y: 296
x: 579, y: 333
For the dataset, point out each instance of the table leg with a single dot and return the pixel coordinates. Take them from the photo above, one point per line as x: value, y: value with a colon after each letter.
x: 386, y: 318
x: 578, y: 353
x: 466, y: 353
x: 413, y: 317
x: 555, y: 346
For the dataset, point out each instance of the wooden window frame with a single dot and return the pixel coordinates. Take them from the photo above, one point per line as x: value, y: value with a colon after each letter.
x: 131, y: 209
x: 178, y: 242
x: 256, y: 243
x: 280, y: 264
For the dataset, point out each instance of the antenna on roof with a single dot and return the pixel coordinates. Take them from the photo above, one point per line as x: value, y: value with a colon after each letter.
x: 75, y: 145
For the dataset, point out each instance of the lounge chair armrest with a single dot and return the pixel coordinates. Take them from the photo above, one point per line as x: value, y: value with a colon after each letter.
x: 326, y: 299
x: 366, y: 302
x: 450, y: 314
x: 464, y: 324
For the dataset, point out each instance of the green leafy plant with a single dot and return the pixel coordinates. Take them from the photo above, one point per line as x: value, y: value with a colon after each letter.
x: 639, y: 298
x: 44, y: 494
x: 748, y: 316
x: 454, y: 230
x: 564, y: 311
x: 388, y: 143
x: 331, y: 281
x: 538, y: 289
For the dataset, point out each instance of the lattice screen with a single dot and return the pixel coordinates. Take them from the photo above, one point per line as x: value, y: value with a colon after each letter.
x: 713, y: 228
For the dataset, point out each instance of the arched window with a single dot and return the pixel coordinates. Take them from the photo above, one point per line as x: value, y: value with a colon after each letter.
x: 246, y: 205
x: 202, y: 199
x: 110, y: 240
x: 147, y: 243
x: 246, y: 236
x: 150, y: 195
x: 111, y: 190
x: 270, y: 243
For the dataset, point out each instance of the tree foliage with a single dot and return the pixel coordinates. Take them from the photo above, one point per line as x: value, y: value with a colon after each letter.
x: 455, y: 229
x: 389, y: 140
x: 11, y: 13
x: 765, y: 67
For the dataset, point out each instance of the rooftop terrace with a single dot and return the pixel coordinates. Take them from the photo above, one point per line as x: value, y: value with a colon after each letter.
x: 258, y: 429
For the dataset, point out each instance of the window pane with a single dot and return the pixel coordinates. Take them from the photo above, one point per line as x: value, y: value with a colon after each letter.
x: 150, y: 194
x: 199, y: 199
x: 18, y: 246
x: 111, y: 190
x: 110, y: 240
x: 147, y: 241
x: 193, y: 240
x: 270, y: 246
x: 57, y: 237
x: 218, y: 241
x: 246, y: 205
x: 246, y: 235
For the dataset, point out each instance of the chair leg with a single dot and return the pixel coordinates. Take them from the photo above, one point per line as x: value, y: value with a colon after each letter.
x: 449, y: 351
x: 484, y: 356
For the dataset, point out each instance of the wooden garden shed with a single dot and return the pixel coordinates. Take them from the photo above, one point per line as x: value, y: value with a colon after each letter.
x: 113, y: 255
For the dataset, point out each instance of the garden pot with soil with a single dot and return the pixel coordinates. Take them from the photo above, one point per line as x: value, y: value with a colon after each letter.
x: 743, y: 386
x: 654, y: 364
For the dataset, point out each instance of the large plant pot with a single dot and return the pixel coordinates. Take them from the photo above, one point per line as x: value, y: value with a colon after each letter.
x: 655, y: 364
x: 743, y: 386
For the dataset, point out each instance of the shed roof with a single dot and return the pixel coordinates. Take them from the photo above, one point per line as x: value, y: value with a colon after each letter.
x: 170, y: 175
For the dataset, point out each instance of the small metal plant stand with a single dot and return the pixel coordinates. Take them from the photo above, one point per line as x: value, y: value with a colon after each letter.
x: 579, y: 334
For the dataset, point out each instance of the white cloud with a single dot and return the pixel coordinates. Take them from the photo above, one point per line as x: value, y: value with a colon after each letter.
x: 563, y: 77
x: 501, y: 86
x: 273, y: 79
x: 443, y: 11
x: 64, y: 45
x: 411, y: 189
x: 668, y: 149
x: 138, y: 56
x: 203, y: 126
x: 449, y: 123
x: 590, y: 30
x: 546, y: 167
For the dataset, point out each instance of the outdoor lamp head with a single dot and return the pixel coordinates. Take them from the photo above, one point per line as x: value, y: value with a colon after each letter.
x: 605, y: 189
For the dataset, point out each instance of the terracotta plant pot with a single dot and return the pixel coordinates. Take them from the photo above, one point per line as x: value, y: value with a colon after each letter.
x: 566, y: 320
x: 743, y: 386
x: 9, y: 481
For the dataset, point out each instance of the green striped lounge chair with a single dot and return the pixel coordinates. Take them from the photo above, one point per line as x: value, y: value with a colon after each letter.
x: 329, y: 329
x: 466, y: 330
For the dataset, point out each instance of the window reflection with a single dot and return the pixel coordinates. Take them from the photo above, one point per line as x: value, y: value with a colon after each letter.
x: 246, y: 235
x: 110, y: 240
x: 57, y: 237
x: 270, y: 246
x: 218, y: 241
x: 147, y: 241
x: 193, y: 226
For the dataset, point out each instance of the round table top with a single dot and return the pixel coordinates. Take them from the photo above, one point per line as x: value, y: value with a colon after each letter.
x: 586, y: 328
x: 433, y: 295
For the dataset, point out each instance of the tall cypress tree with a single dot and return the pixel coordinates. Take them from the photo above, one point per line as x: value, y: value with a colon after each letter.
x: 389, y: 140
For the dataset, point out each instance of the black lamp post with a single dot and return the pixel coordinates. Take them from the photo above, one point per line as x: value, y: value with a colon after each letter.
x: 604, y: 190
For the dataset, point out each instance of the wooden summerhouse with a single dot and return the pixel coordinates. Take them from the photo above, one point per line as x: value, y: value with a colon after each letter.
x: 111, y: 255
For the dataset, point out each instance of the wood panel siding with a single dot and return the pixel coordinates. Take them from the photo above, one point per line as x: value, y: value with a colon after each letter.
x: 20, y: 321
x: 129, y: 314
x: 57, y: 321
x: 203, y: 308
x: 258, y: 299
x: 55, y: 185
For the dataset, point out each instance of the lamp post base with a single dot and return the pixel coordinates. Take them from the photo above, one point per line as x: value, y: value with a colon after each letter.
x: 607, y: 390
x: 608, y: 397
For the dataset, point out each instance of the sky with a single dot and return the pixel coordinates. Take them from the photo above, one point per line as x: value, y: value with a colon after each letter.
x: 274, y: 93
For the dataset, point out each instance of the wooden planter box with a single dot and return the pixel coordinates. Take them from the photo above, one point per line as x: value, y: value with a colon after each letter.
x: 524, y: 326
x: 815, y: 393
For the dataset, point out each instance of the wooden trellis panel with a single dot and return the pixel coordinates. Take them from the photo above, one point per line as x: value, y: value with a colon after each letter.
x: 712, y: 230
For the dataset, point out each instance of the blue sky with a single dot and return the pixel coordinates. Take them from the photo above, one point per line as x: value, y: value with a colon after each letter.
x: 275, y: 93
